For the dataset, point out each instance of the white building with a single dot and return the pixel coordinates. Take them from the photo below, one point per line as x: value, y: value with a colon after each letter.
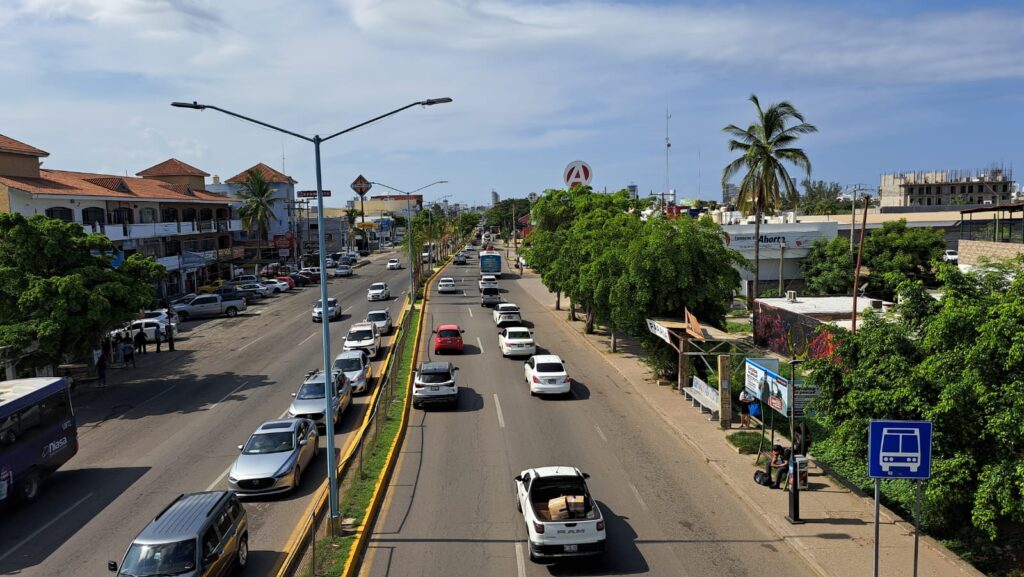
x: 783, y: 248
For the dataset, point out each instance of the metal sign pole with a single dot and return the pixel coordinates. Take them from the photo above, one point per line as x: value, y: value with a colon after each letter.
x: 878, y: 491
x: 917, y: 525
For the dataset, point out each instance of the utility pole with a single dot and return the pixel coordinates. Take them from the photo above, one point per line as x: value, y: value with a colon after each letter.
x: 668, y: 147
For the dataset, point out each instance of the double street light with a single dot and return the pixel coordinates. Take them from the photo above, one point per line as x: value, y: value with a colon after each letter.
x: 408, y: 231
x: 332, y: 473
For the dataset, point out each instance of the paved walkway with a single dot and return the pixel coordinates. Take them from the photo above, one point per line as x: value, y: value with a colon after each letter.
x: 837, y: 538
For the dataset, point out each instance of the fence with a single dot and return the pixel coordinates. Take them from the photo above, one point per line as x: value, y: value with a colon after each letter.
x: 300, y: 552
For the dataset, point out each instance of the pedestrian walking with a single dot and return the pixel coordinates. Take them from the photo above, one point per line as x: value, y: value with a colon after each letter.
x: 101, y: 370
x: 158, y: 336
x: 140, y: 342
x: 127, y: 352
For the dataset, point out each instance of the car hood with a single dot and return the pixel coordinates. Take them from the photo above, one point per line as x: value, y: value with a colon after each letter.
x: 355, y: 376
x: 266, y: 465
x: 307, y: 406
x: 375, y: 291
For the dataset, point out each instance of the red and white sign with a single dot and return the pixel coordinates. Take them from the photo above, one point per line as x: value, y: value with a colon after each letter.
x: 361, y: 185
x: 310, y: 193
x: 577, y: 173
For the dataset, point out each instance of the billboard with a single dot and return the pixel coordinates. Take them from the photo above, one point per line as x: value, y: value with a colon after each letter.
x: 764, y: 382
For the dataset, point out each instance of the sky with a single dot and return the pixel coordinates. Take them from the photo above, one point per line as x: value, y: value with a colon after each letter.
x: 892, y: 86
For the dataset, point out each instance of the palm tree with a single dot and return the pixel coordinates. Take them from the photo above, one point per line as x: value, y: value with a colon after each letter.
x: 766, y: 144
x: 351, y: 215
x: 257, y: 209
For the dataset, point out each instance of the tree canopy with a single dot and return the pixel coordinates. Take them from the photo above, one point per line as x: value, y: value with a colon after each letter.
x: 59, y: 293
x: 822, y: 197
x: 502, y: 213
x: 828, y: 267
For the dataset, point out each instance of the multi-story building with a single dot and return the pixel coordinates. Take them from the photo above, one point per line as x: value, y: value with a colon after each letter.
x: 956, y: 188
x: 164, y: 212
x: 284, y: 191
x: 495, y: 198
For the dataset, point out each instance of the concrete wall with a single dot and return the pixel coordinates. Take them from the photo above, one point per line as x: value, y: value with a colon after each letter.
x: 971, y: 251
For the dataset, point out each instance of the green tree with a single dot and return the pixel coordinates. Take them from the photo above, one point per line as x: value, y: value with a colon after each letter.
x: 897, y: 251
x: 828, y: 268
x: 766, y: 144
x: 502, y: 214
x: 822, y: 197
x: 257, y: 210
x: 467, y: 222
x: 59, y: 294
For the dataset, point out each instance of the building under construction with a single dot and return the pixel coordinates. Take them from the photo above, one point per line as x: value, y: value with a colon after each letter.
x: 955, y: 188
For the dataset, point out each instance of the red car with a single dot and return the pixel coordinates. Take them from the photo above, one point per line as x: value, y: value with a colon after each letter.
x: 287, y: 279
x: 448, y: 338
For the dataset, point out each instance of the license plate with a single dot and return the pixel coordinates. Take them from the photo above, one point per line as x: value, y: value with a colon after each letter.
x: 435, y: 388
x: 570, y: 548
x: 551, y: 381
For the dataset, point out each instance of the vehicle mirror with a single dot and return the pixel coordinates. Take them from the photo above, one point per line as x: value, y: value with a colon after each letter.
x: 586, y: 475
x: 112, y: 566
x: 293, y: 394
x: 519, y: 478
x: 303, y: 442
x: 240, y: 447
x: 434, y: 331
x: 462, y: 330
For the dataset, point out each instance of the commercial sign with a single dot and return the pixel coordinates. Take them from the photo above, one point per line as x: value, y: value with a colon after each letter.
x: 282, y: 242
x: 577, y: 173
x: 361, y: 185
x: 900, y: 449
x: 658, y: 330
x: 786, y: 239
x: 311, y: 193
x: 764, y: 382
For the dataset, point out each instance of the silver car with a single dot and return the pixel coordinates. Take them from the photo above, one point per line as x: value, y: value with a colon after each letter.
x: 274, y: 457
x: 382, y: 319
x: 309, y: 400
x: 356, y: 367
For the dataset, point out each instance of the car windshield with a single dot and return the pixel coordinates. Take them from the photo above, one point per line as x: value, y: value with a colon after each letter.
x: 377, y: 286
x: 508, y: 309
x: 153, y: 314
x: 374, y: 317
x: 360, y: 335
x: 160, y: 559
x: 269, y: 443
x: 348, y: 364
x: 435, y: 378
x: 518, y: 335
x: 330, y: 303
x: 448, y: 333
x: 491, y: 291
x: 550, y: 368
x: 310, y: 391
x: 393, y: 261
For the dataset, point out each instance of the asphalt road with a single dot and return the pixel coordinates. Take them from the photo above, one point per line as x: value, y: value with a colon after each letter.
x: 451, y: 509
x: 173, y: 424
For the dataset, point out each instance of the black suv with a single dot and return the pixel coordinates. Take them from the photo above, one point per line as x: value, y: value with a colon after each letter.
x: 197, y: 535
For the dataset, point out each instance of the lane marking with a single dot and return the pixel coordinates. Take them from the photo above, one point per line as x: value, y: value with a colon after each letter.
x: 600, y: 433
x: 480, y: 344
x: 497, y: 405
x: 225, y: 397
x: 35, y: 534
x: 520, y: 566
x: 637, y: 495
x: 214, y: 484
x: 470, y: 309
x: 309, y: 337
x: 249, y: 344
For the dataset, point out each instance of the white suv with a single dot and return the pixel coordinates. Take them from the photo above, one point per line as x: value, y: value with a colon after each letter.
x: 378, y: 291
x: 435, y: 383
x: 363, y: 337
x: 507, y: 313
x: 488, y: 281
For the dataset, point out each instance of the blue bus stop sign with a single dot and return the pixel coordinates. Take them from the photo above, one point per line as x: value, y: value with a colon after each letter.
x: 900, y: 450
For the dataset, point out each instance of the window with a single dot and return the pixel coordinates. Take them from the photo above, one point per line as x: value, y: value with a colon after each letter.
x: 222, y: 214
x: 205, y: 214
x: 188, y: 214
x: 204, y: 300
x: 209, y: 244
x: 147, y: 215
x: 121, y: 215
x: 210, y: 542
x: 234, y: 508
x: 224, y: 523
x: 61, y: 213
x: 169, y: 214
x: 94, y: 215
x: 970, y: 189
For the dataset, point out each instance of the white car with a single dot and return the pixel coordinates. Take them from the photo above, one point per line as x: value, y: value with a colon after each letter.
x: 333, y: 310
x: 447, y: 285
x: 516, y: 342
x: 488, y: 281
x: 381, y: 318
x: 507, y: 314
x: 245, y: 279
x: 161, y: 315
x: 950, y: 256
x: 546, y: 375
x: 435, y: 383
x: 356, y: 367
x: 148, y: 328
x: 343, y: 270
x: 394, y: 264
x: 562, y: 519
x: 378, y: 291
x: 276, y: 286
x: 261, y: 290
x: 363, y: 337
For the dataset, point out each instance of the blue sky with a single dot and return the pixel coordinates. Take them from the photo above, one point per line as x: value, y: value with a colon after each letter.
x: 897, y: 85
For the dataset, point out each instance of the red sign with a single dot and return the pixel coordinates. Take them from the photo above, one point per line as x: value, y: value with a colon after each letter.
x: 577, y: 173
x: 361, y: 185
x: 282, y: 242
x: 310, y: 193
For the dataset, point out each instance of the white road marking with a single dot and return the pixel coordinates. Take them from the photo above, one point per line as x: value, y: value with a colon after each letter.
x: 497, y: 405
x: 252, y: 342
x: 637, y: 495
x: 481, y: 344
x: 225, y: 397
x: 214, y: 484
x: 309, y: 337
x: 470, y: 309
x: 44, y: 527
x: 520, y: 566
x: 600, y: 433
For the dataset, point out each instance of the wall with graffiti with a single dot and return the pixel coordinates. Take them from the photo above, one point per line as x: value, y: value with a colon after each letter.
x: 791, y: 334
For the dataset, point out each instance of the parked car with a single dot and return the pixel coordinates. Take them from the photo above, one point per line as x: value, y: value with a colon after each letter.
x: 546, y: 375
x: 260, y: 290
x: 435, y: 383
x: 343, y: 270
x: 197, y: 534
x: 234, y: 292
x: 353, y: 255
x: 363, y: 337
x: 487, y: 281
x: 148, y: 328
x: 394, y: 264
x: 364, y: 252
x: 378, y: 291
x: 299, y: 279
x: 245, y: 279
x: 333, y: 310
x: 516, y: 342
x: 209, y: 288
x: 313, y: 271
x: 448, y: 338
x: 309, y: 400
x: 562, y: 519
x: 310, y: 278
x: 181, y: 299
x: 209, y: 306
x: 507, y: 314
x: 276, y: 286
x: 447, y: 285
x: 381, y: 319
x: 274, y: 457
x: 950, y: 256
x: 356, y: 366
x: 162, y: 315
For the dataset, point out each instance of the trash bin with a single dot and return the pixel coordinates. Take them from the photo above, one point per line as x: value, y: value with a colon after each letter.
x: 800, y: 462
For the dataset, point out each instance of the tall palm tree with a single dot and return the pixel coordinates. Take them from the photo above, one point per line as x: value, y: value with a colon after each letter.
x: 766, y: 144
x: 257, y: 209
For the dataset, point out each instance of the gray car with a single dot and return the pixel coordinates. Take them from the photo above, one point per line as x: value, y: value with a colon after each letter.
x: 382, y: 319
x: 356, y: 367
x: 274, y: 457
x: 309, y: 400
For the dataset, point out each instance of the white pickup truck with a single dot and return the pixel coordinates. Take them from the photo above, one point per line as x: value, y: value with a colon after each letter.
x: 562, y: 519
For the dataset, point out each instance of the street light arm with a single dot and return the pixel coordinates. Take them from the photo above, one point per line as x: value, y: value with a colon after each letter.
x: 430, y: 102
x: 197, y: 106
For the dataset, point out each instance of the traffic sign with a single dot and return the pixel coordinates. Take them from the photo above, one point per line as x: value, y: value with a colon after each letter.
x: 577, y: 173
x: 310, y: 193
x: 366, y: 225
x: 900, y: 450
x: 361, y: 185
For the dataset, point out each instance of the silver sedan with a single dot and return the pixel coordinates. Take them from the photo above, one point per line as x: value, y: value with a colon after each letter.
x: 274, y: 457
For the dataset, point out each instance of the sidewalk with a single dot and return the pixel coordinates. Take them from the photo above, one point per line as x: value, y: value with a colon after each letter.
x: 837, y: 539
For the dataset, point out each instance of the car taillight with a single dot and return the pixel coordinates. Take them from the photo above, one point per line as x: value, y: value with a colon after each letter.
x: 536, y: 379
x: 419, y: 385
x: 600, y: 525
x: 538, y: 527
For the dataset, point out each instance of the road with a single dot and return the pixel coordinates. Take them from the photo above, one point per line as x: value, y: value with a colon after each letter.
x: 450, y: 509
x: 173, y: 424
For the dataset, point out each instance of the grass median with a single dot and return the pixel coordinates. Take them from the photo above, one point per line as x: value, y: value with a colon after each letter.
x: 333, y: 552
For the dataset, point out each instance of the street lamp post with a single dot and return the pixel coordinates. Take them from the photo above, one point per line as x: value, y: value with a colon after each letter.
x: 317, y: 140
x: 408, y: 231
x: 794, y: 477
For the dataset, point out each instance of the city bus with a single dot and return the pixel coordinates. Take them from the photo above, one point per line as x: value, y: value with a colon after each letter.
x: 490, y: 262
x: 37, y: 434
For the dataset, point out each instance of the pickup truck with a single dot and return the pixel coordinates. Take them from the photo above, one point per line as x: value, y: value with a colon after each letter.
x: 209, y: 306
x: 562, y: 519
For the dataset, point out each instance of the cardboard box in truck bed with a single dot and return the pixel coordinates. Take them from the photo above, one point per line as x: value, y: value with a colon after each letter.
x: 565, y: 507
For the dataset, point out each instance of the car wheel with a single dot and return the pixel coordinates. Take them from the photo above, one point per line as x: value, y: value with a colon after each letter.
x: 231, y: 312
x: 28, y: 488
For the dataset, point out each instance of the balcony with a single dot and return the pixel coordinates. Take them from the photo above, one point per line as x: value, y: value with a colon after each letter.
x: 117, y: 232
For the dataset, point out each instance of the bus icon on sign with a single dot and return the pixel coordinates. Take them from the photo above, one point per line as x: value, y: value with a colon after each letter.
x: 900, y: 448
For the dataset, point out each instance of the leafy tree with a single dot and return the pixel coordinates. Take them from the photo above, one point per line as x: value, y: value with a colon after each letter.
x: 501, y: 214
x: 467, y: 221
x: 58, y: 292
x: 828, y: 268
x: 822, y: 197
x: 896, y: 251
x: 257, y: 208
x: 766, y: 144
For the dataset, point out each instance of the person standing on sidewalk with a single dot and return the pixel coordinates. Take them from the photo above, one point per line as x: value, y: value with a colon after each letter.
x: 140, y: 342
x: 158, y: 336
x: 746, y: 399
x: 170, y: 337
x: 101, y: 370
